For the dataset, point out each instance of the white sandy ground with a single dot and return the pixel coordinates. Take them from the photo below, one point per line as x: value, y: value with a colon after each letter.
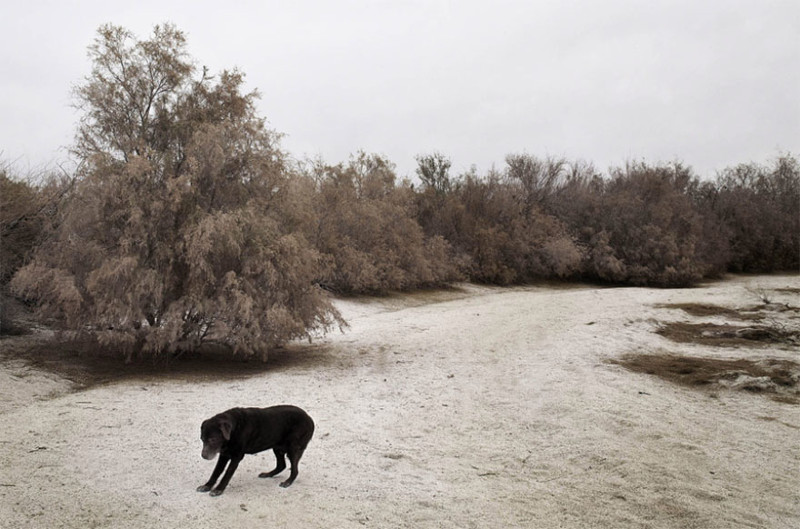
x: 475, y: 408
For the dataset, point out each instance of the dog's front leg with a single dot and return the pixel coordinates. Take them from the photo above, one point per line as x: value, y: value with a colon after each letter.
x: 221, y: 462
x: 227, y: 477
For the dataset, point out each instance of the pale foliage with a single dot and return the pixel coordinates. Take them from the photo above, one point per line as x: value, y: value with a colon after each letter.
x: 174, y: 234
x: 365, y: 227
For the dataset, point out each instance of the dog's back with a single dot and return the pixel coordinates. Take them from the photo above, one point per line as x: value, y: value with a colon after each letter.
x: 282, y: 426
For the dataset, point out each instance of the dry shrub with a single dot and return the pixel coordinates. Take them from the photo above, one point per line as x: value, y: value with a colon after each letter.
x: 497, y: 223
x: 175, y: 233
x: 760, y: 207
x: 28, y: 209
x: 363, y: 225
x: 649, y: 225
x: 652, y: 228
x: 19, y: 227
x: 15, y: 318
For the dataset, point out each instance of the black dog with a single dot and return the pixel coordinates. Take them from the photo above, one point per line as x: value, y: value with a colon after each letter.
x: 239, y: 431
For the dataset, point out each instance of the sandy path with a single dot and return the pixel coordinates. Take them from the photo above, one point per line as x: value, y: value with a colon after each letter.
x: 486, y: 408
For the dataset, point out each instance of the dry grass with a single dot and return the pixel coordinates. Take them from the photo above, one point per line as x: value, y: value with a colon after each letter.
x: 702, y: 310
x: 767, y: 324
x: 777, y: 378
x: 726, y: 335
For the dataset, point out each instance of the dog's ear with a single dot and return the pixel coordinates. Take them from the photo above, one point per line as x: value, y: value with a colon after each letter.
x: 226, y: 427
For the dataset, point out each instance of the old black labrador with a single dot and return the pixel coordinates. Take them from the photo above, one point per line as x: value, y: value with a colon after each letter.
x: 239, y: 431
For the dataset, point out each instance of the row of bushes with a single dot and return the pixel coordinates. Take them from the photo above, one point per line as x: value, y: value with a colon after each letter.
x: 538, y: 219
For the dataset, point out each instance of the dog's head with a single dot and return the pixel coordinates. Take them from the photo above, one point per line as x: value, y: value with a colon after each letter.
x: 214, y: 433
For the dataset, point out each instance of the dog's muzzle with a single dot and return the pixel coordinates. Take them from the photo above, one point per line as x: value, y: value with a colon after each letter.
x: 208, y: 453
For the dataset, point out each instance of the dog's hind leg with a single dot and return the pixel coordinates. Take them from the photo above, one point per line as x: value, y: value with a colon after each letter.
x: 295, y: 451
x: 279, y: 467
x: 221, y: 462
x: 295, y: 454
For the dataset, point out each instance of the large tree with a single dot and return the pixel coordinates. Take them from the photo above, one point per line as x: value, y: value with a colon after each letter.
x: 174, y: 234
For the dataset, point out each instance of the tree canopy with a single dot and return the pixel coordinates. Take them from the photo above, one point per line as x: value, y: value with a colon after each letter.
x: 174, y: 233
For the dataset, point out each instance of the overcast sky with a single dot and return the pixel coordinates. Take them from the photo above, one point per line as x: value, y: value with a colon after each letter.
x: 710, y: 83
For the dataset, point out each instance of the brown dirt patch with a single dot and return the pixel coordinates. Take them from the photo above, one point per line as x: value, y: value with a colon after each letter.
x: 777, y: 378
x: 728, y: 335
x: 702, y: 310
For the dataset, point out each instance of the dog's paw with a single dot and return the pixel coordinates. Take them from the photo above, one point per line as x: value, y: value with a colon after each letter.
x: 203, y: 488
x: 286, y: 483
x: 216, y: 492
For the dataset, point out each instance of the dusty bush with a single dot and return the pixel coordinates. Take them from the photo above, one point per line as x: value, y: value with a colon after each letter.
x: 12, y: 316
x: 653, y: 226
x: 365, y: 228
x: 644, y: 224
x: 640, y: 226
x: 174, y: 233
x: 760, y: 209
x: 503, y: 233
x: 27, y: 211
